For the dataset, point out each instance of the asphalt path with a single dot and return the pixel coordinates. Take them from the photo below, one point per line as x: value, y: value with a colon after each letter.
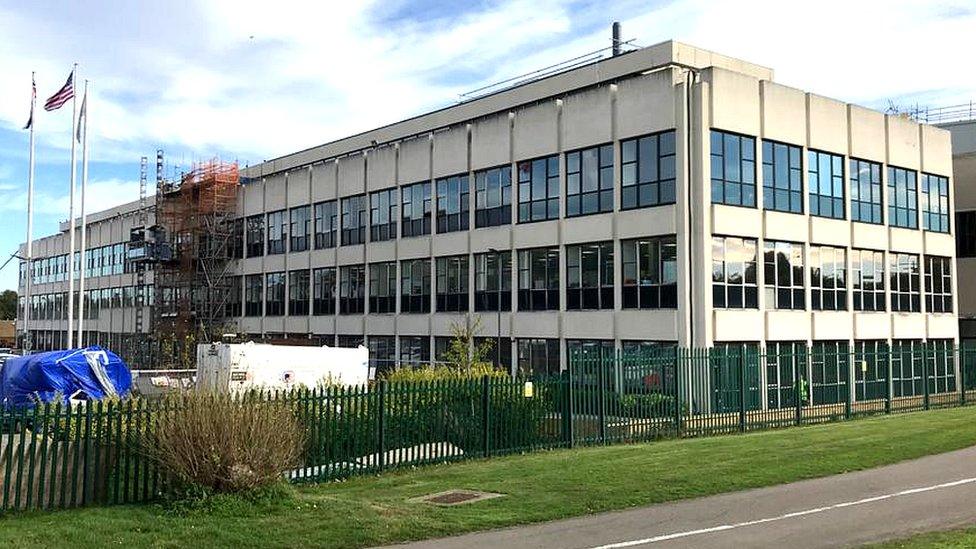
x: 932, y: 493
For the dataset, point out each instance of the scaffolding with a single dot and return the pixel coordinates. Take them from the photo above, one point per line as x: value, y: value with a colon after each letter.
x: 195, y: 217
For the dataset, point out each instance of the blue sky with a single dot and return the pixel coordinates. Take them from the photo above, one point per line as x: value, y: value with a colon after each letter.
x: 248, y: 80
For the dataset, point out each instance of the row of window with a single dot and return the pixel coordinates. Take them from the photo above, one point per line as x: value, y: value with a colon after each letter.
x: 647, y: 179
x: 54, y: 306
x: 830, y: 367
x: 534, y: 356
x: 649, y: 282
x: 733, y: 182
x: 99, y: 261
x: 735, y: 283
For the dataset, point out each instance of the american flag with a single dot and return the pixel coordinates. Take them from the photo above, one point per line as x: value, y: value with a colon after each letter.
x: 30, y: 120
x: 66, y: 92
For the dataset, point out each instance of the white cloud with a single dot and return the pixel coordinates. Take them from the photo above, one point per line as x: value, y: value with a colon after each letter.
x: 257, y: 82
x: 99, y: 195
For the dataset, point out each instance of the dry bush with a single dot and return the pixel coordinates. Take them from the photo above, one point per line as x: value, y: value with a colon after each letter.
x: 225, y: 443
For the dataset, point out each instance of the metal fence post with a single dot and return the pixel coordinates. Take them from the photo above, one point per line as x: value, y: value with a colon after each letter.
x: 798, y: 390
x: 925, y: 373
x: 848, y: 385
x: 485, y: 414
x: 677, y: 392
x: 381, y: 425
x: 742, y: 391
x: 569, y: 405
x: 962, y: 375
x: 890, y: 384
x: 602, y: 395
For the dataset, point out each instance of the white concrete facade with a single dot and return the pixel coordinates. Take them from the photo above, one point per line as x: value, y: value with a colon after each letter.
x: 669, y: 87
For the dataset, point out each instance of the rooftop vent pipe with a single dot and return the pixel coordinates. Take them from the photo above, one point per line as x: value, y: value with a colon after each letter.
x: 616, y: 38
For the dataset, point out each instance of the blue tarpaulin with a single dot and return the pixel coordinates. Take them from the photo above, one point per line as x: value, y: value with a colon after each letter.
x: 93, y: 371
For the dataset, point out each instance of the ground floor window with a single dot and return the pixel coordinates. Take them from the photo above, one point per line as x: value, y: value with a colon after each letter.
x: 382, y: 354
x: 829, y: 367
x: 538, y: 357
x: 414, y: 351
x: 786, y: 362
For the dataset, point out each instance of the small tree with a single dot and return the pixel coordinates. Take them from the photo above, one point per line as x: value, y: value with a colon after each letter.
x: 463, y: 352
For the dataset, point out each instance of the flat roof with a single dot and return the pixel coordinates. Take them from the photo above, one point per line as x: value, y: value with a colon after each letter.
x: 601, y: 71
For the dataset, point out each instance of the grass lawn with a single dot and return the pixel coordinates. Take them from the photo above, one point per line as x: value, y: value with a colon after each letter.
x: 540, y: 486
x: 953, y: 539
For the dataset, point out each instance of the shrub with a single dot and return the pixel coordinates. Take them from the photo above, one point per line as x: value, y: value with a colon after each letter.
x: 444, y: 373
x: 649, y: 405
x: 224, y: 443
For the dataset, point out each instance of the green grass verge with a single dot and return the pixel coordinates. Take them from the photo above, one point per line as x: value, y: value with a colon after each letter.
x: 952, y: 539
x: 540, y: 486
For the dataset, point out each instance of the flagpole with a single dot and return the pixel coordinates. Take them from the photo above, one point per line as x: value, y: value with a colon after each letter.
x: 71, y: 214
x: 84, y: 183
x: 30, y: 222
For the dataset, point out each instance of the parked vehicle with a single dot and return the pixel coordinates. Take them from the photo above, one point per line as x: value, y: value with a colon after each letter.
x: 240, y: 366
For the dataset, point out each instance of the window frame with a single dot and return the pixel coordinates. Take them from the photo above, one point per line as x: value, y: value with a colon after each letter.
x: 744, y: 292
x: 580, y: 295
x: 352, y: 289
x: 488, y: 296
x: 657, y: 183
x: 827, y: 293
x: 938, y: 285
x: 493, y: 216
x: 905, y: 300
x: 575, y: 164
x: 856, y: 167
x: 723, y: 182
x: 447, y: 220
x: 299, y: 229
x: 940, y: 214
x: 299, y: 305
x: 646, y: 289
x: 325, y: 213
x: 274, y: 293
x: 452, y: 293
x: 528, y: 200
x: 383, y: 215
x: 254, y: 235
x: 895, y: 206
x: 277, y: 241
x: 772, y: 186
x: 859, y: 291
x: 254, y: 295
x: 524, y: 360
x: 382, y: 276
x: 815, y: 197
x: 324, y: 291
x: 778, y: 289
x: 412, y: 302
x: 965, y: 234
x: 414, y: 350
x: 353, y: 230
x: 531, y: 298
x: 413, y: 226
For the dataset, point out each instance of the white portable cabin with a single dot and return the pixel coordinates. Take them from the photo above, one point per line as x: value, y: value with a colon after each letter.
x: 240, y: 366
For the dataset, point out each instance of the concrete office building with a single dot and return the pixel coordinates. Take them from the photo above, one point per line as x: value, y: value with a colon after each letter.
x: 963, y: 130
x: 668, y: 195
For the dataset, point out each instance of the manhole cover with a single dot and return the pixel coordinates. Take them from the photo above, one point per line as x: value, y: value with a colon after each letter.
x: 455, y: 497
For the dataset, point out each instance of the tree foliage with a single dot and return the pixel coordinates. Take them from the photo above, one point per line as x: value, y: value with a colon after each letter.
x: 8, y: 305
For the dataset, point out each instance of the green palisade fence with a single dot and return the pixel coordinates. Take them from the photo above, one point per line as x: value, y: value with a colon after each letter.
x: 53, y: 456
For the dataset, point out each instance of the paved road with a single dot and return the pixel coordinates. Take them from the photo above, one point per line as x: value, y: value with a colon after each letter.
x: 931, y: 493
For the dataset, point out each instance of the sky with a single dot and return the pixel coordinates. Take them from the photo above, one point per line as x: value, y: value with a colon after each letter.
x: 249, y: 81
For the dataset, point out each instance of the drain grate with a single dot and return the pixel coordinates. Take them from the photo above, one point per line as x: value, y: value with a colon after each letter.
x: 456, y: 497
